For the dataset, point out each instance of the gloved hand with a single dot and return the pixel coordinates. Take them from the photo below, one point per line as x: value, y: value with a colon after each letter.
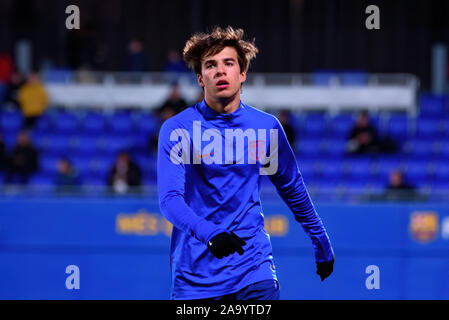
x: 324, y: 269
x: 223, y: 244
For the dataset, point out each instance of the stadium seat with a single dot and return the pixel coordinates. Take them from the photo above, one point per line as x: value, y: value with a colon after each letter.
x: 100, y: 165
x: 354, y: 188
x: 342, y: 124
x: 95, y: 181
x: 93, y: 122
x: 386, y: 165
x: 397, y: 126
x: 331, y: 170
x: 353, y: 78
x: 323, y: 185
x: 307, y: 168
x: 444, y: 148
x: 60, y: 144
x: 112, y: 144
x: 66, y: 123
x: 376, y: 187
x: 431, y: 105
x: 427, y: 128
x: 42, y: 180
x: 439, y: 186
x: 309, y: 147
x: 81, y: 163
x: 445, y: 127
x: 43, y: 124
x: 358, y: 168
x: 147, y: 124
x: 85, y: 144
x: 120, y: 122
x: 441, y: 171
x: 48, y: 163
x: 335, y: 147
x: 57, y: 76
x: 144, y: 161
x: 420, y: 147
x: 314, y: 125
x: 323, y: 78
x: 9, y: 139
x: 10, y: 121
x: 416, y: 171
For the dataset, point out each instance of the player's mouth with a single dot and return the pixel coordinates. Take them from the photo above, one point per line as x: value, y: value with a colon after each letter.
x: 222, y: 84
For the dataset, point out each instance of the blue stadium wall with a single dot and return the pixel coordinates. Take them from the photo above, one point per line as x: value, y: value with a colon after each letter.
x: 121, y: 246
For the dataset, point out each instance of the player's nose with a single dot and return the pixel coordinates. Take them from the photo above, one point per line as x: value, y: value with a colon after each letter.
x: 220, y: 69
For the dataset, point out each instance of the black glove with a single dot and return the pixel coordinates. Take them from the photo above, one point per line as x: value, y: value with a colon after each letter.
x: 324, y: 269
x: 223, y: 244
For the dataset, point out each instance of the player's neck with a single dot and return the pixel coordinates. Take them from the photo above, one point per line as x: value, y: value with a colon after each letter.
x: 224, y: 105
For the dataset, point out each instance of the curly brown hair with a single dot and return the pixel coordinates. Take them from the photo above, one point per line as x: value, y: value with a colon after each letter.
x: 201, y: 45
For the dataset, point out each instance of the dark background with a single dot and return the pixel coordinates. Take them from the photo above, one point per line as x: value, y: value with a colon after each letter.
x: 292, y: 35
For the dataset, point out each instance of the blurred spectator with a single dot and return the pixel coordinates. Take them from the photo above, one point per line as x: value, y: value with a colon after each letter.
x: 173, y: 105
x: 23, y: 161
x: 363, y: 137
x: 136, y: 60
x: 67, y: 176
x: 174, y: 101
x: 3, y: 158
x: 33, y: 99
x: 6, y: 68
x: 12, y: 89
x: 125, y: 174
x: 398, y: 189
x: 285, y: 120
x: 175, y: 63
x: 81, y: 45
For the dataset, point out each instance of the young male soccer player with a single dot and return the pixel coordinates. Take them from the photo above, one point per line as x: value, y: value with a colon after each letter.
x: 210, y: 159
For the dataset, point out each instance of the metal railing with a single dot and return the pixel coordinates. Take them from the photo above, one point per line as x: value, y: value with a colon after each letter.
x: 263, y: 90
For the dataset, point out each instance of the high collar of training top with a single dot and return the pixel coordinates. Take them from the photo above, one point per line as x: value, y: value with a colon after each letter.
x: 210, y: 114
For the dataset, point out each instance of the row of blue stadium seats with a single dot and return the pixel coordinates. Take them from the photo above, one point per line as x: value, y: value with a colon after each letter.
x: 305, y: 149
x: 359, y: 187
x: 354, y: 169
x: 309, y: 125
x: 59, y: 144
x: 400, y: 126
x: 306, y: 133
x: 311, y: 147
x: 95, y: 164
x: 90, y: 122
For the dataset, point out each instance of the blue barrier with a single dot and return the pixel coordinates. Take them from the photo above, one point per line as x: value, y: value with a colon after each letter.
x: 121, y: 247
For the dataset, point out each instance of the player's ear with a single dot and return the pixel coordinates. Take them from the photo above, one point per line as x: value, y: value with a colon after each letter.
x: 200, y: 80
x: 242, y: 76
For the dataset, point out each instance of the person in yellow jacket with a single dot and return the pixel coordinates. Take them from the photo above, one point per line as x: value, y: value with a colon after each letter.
x: 33, y: 99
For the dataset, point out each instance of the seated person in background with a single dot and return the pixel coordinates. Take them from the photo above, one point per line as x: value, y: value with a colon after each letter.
x: 173, y: 105
x: 285, y: 120
x: 124, y: 174
x: 12, y: 90
x: 174, y: 100
x: 23, y: 161
x: 33, y: 99
x: 398, y: 189
x: 3, y: 158
x: 363, y: 137
x: 67, y: 176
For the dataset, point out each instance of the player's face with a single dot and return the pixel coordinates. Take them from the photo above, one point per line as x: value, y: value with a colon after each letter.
x: 220, y: 75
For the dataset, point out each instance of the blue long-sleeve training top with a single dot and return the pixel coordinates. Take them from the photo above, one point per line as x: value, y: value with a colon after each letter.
x: 209, y: 172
